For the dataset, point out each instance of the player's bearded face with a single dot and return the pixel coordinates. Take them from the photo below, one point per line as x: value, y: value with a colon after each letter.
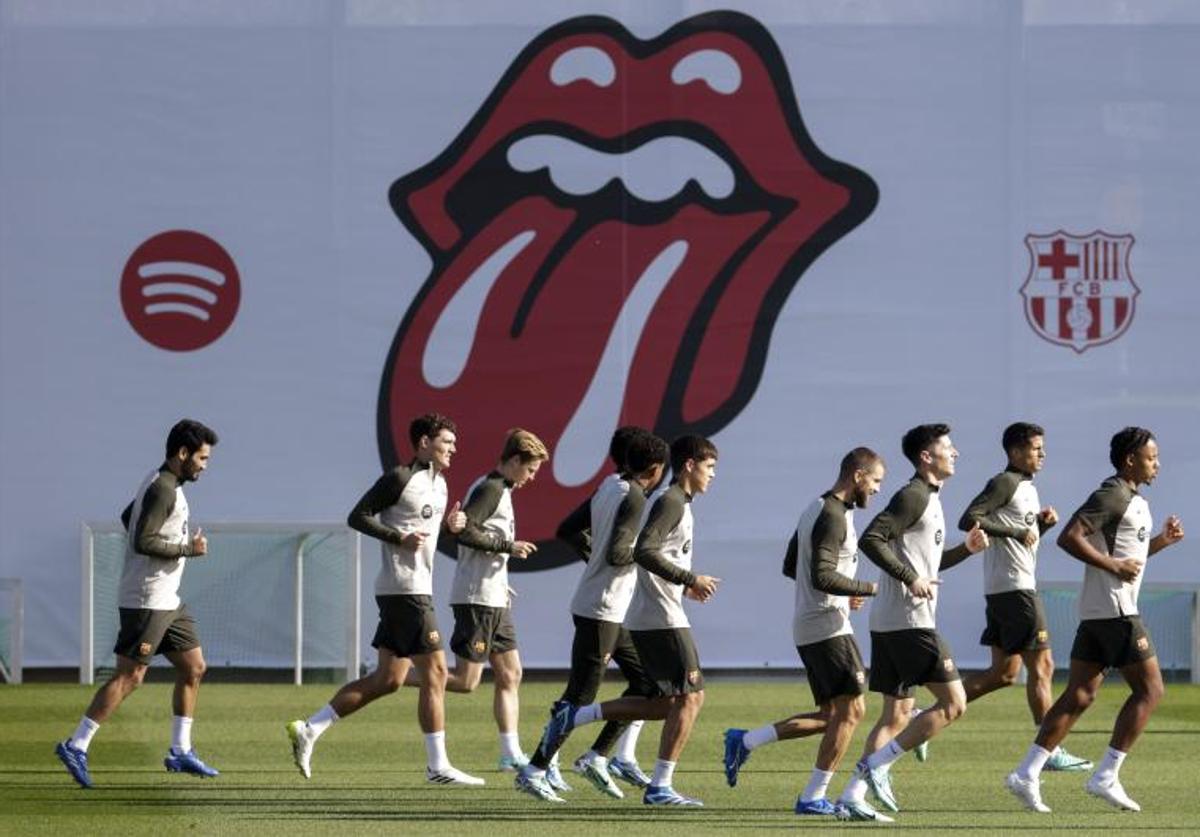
x: 866, y: 484
x: 195, y: 464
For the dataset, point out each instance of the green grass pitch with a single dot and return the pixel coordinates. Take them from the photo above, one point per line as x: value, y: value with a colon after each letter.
x: 368, y: 769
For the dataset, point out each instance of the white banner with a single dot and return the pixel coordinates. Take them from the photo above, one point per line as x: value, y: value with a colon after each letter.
x: 796, y: 228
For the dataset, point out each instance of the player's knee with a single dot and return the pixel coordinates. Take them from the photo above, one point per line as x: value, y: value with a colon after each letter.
x: 436, y: 674
x: 693, y: 701
x: 856, y: 710
x: 1081, y: 698
x: 1152, y: 692
x: 508, y: 678
x: 196, y: 670
x: 387, y: 682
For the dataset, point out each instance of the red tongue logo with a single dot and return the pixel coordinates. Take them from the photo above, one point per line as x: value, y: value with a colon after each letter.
x: 612, y: 237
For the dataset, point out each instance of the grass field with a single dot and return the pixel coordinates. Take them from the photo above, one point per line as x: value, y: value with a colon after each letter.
x: 368, y: 769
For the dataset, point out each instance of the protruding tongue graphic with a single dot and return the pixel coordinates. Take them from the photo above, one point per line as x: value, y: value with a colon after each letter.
x: 629, y: 274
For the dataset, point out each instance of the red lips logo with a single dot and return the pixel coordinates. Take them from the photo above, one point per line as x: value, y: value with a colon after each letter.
x: 612, y: 235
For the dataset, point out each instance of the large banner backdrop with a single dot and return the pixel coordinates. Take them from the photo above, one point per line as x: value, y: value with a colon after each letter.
x: 794, y: 227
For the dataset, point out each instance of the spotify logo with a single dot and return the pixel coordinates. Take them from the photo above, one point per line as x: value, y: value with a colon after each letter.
x: 180, y: 290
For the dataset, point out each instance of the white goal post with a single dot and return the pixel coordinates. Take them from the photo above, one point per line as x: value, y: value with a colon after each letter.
x: 266, y: 596
x: 12, y: 621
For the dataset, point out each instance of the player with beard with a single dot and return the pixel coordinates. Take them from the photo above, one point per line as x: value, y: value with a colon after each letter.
x: 1009, y: 510
x: 906, y: 541
x: 153, y: 619
x: 1110, y: 534
x: 822, y: 558
x: 480, y: 595
x: 659, y: 626
x: 598, y: 609
x: 410, y: 502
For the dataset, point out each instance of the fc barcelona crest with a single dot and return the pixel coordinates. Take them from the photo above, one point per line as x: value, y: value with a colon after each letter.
x: 1079, y: 291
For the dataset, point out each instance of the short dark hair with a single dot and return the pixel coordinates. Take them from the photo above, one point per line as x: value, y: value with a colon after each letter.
x: 858, y: 459
x: 618, y: 446
x: 644, y: 452
x: 920, y: 438
x: 684, y: 448
x: 1020, y: 434
x: 1127, y: 441
x: 429, y: 425
x: 189, y: 434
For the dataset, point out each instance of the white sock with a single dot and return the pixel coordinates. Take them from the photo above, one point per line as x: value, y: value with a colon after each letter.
x: 181, y: 734
x: 855, y: 790
x: 664, y: 772
x: 1031, y: 766
x: 435, y: 750
x: 82, y: 738
x: 321, y: 721
x: 818, y: 783
x: 758, y: 737
x: 588, y: 714
x: 1110, y: 766
x: 626, y: 749
x: 885, y: 755
x: 510, y: 745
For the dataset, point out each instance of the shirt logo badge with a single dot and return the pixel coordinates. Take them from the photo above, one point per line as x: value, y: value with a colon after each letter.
x: 937, y: 537
x: 687, y: 547
x: 1079, y: 291
x: 426, y: 511
x: 1141, y: 533
x: 1029, y: 518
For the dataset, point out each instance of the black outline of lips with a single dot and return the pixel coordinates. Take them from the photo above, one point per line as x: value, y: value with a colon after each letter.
x: 862, y: 191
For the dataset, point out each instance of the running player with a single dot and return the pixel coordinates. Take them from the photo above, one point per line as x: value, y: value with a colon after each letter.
x: 906, y: 540
x: 660, y: 629
x: 1110, y: 534
x: 410, y: 502
x: 598, y: 609
x: 822, y: 558
x: 479, y: 596
x: 153, y: 619
x: 1009, y: 510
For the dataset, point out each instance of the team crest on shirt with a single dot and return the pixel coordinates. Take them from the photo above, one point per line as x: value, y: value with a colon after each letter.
x: 144, y: 649
x: 1029, y: 518
x: 426, y: 511
x: 1141, y: 533
x: 693, y: 676
x: 687, y: 547
x: 1079, y: 291
x: 937, y: 537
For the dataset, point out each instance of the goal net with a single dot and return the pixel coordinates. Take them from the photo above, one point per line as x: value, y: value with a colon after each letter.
x: 266, y: 596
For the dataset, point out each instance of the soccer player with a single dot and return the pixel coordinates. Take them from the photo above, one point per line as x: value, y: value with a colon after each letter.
x: 822, y: 558
x: 410, y: 502
x: 153, y: 619
x: 659, y: 626
x: 1110, y: 534
x: 479, y: 595
x: 1009, y: 510
x: 906, y: 541
x: 598, y: 609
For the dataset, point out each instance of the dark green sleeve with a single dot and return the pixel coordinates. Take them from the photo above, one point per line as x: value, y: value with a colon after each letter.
x: 1103, y: 509
x: 157, y: 504
x: 576, y: 530
x: 625, y: 528
x: 792, y: 556
x: 384, y: 493
x: 828, y: 532
x: 905, y: 508
x: 481, y: 505
x: 995, y: 495
x: 665, y: 515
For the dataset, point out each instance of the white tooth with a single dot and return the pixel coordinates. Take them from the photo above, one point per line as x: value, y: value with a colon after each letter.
x: 584, y: 444
x: 449, y: 344
x: 655, y: 171
x: 591, y: 63
x: 717, y: 69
